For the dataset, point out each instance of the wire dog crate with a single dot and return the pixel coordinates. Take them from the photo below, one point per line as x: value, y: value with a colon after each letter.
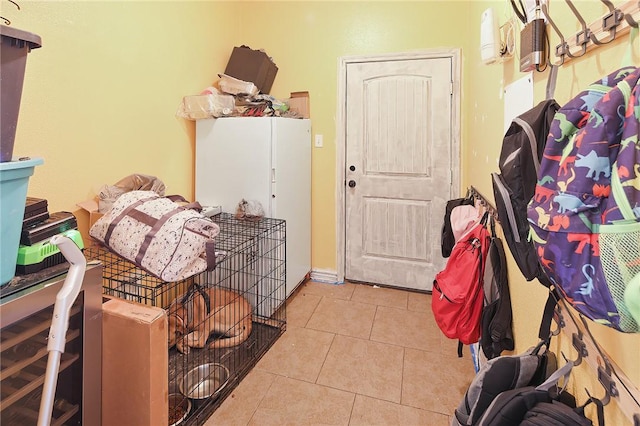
x: 251, y: 263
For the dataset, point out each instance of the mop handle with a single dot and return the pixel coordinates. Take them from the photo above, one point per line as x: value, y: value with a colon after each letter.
x: 68, y: 293
x: 60, y: 323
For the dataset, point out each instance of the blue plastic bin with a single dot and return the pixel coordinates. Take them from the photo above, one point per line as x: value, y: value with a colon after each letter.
x: 14, y: 180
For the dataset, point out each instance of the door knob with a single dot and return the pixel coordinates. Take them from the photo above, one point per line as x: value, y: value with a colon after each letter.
x: 352, y: 168
x: 352, y: 183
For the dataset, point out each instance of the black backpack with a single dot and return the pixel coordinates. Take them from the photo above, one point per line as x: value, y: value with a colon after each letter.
x: 540, y: 405
x: 447, y: 238
x: 522, y: 148
x: 496, y: 323
x: 501, y: 374
x: 533, y: 407
x: 514, y: 186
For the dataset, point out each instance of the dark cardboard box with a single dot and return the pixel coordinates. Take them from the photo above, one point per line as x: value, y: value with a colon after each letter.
x: 253, y: 66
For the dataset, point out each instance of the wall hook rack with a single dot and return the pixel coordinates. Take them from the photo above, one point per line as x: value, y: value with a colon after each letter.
x: 484, y: 202
x: 616, y: 384
x: 616, y: 22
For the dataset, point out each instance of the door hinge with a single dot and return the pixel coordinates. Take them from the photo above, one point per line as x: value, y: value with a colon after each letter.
x: 451, y: 88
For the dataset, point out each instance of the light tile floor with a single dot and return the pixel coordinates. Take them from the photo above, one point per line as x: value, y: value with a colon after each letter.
x: 353, y: 354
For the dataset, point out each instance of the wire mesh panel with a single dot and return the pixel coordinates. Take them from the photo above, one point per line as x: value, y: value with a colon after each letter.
x: 123, y: 279
x: 220, y: 322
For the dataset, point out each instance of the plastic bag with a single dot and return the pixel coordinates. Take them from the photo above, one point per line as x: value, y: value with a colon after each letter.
x: 211, y: 103
x: 249, y: 210
x: 135, y: 182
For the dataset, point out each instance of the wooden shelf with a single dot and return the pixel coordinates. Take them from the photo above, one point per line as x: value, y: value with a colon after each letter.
x: 12, y: 363
x: 30, y: 327
x: 29, y: 379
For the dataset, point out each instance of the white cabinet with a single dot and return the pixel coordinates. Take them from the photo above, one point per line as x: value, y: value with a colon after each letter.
x: 266, y: 159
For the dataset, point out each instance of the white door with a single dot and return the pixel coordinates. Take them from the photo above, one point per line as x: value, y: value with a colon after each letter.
x: 398, y: 169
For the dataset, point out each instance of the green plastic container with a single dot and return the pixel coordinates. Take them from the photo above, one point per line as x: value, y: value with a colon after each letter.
x: 14, y: 180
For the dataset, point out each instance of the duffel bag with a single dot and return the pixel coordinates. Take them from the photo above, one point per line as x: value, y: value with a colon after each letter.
x: 170, y: 241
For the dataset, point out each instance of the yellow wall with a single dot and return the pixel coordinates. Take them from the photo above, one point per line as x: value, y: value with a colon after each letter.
x: 100, y: 96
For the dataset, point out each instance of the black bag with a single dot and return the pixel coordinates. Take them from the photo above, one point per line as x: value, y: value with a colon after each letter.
x: 502, y: 374
x: 554, y: 413
x: 540, y: 405
x: 522, y: 149
x: 448, y: 240
x: 496, y: 332
x: 514, y: 186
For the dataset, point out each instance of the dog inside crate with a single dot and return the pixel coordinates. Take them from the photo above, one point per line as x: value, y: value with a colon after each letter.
x: 237, y: 311
x: 202, y: 312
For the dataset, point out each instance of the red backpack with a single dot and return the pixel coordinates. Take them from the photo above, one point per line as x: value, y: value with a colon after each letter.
x: 457, y: 298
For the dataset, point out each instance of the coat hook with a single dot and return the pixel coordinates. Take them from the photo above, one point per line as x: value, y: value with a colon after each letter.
x: 599, y: 407
x: 583, y: 37
x: 602, y: 402
x: 559, y: 319
x: 580, y: 346
x: 629, y: 18
x: 16, y: 4
x: 563, y: 47
x: 609, y: 23
x: 610, y: 389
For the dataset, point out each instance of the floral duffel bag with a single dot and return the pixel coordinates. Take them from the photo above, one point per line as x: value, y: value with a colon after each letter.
x: 166, y: 239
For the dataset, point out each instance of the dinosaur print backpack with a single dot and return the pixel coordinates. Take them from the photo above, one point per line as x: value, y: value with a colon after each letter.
x: 585, y: 213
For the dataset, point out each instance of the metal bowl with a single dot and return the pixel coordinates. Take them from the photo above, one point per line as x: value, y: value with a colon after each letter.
x: 178, y: 403
x: 204, y: 381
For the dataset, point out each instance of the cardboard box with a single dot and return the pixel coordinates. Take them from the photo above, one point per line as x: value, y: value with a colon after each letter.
x: 299, y: 103
x: 251, y: 65
x: 135, y: 364
x: 91, y: 207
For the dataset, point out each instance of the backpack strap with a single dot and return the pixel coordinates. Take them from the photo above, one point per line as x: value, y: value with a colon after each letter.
x: 544, y: 332
x: 561, y: 373
x: 627, y: 60
x: 500, y: 334
x: 551, y: 81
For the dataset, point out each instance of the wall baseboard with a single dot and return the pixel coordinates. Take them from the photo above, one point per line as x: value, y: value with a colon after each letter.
x: 324, y: 276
